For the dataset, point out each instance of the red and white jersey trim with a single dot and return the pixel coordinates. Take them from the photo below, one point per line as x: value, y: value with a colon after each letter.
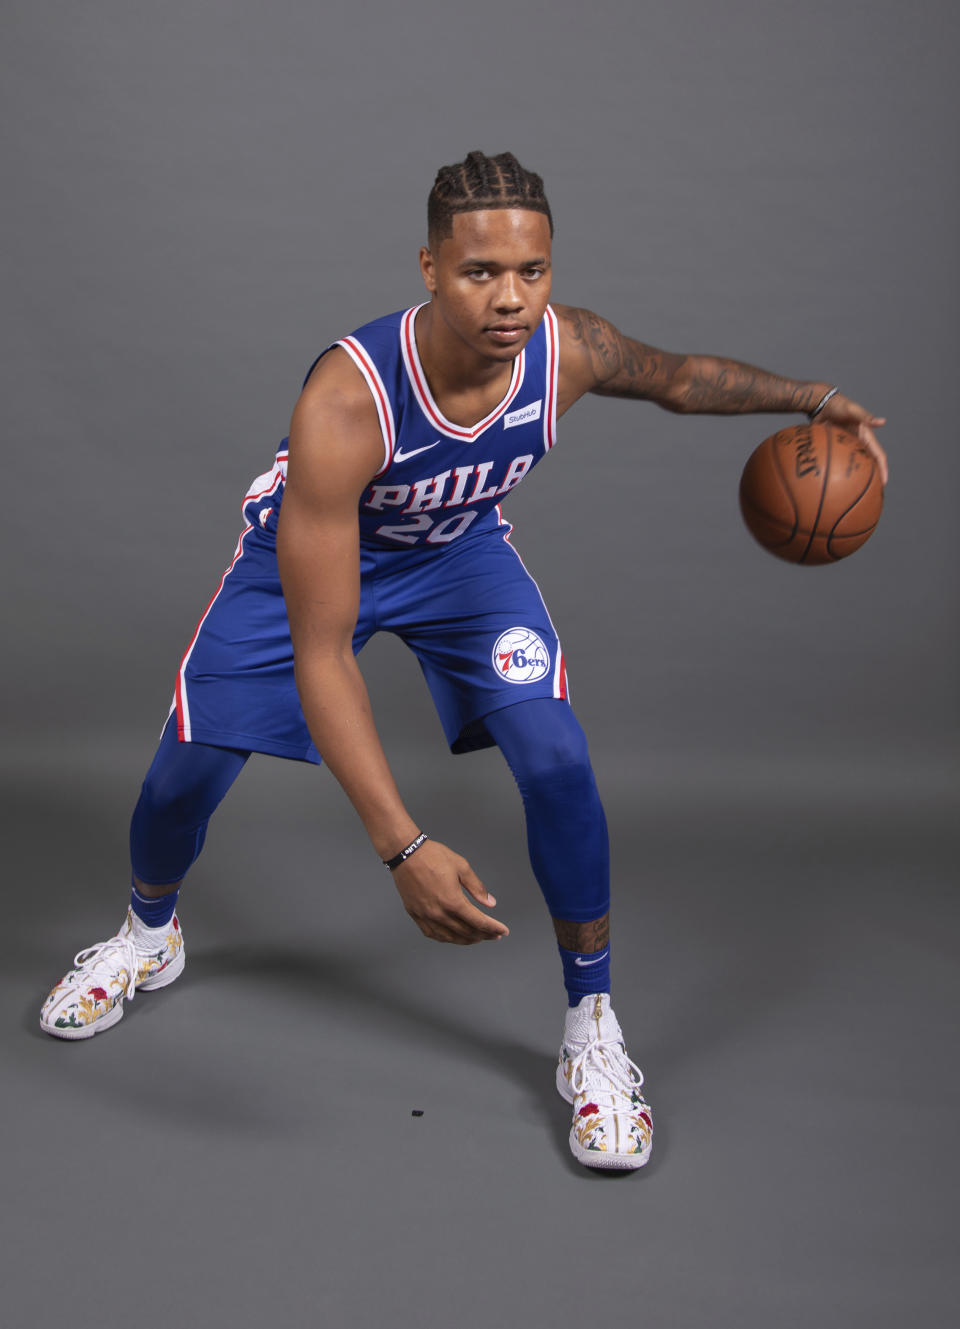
x: 267, y: 482
x: 262, y: 485
x: 184, y: 731
x: 379, y: 393
x: 552, y: 328
x: 421, y: 389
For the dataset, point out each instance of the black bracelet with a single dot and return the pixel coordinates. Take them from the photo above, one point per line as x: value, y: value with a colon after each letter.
x: 812, y: 415
x: 404, y: 854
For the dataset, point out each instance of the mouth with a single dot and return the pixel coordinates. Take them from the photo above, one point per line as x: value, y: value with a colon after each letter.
x: 506, y: 332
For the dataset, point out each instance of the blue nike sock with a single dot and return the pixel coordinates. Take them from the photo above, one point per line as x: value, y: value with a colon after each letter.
x: 583, y: 974
x: 154, y: 912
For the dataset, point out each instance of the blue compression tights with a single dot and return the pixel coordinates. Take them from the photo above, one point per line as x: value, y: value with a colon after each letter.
x: 182, y: 789
x: 540, y: 739
x: 546, y: 750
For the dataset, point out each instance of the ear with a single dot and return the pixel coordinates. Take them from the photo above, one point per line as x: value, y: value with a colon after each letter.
x: 428, y: 270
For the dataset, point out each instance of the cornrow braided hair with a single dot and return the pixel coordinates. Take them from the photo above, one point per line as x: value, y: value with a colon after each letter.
x: 480, y: 182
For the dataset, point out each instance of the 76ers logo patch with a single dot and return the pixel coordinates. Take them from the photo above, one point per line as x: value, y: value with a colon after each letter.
x: 520, y: 656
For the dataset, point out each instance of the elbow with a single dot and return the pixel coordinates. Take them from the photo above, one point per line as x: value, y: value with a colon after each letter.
x: 675, y: 397
x: 318, y: 663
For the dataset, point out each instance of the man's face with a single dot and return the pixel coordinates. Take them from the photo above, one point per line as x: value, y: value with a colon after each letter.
x: 490, y: 280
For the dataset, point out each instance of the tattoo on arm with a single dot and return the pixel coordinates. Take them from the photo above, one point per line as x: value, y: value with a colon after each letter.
x: 587, y: 938
x: 615, y: 365
x: 612, y: 365
x: 598, y: 339
x: 728, y: 387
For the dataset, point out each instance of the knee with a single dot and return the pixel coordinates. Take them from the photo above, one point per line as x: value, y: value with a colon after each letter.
x: 186, y: 781
x: 185, y: 784
x: 542, y: 742
x: 558, y: 764
x: 161, y: 796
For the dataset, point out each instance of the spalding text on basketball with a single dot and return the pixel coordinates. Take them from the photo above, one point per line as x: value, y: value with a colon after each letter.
x: 806, y: 459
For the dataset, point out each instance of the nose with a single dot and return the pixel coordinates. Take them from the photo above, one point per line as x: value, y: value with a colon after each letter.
x: 509, y: 294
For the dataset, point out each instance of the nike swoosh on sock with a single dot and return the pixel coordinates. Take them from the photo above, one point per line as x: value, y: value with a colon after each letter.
x: 582, y: 963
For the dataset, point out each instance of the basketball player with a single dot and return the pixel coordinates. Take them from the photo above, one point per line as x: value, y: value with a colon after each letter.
x: 382, y: 512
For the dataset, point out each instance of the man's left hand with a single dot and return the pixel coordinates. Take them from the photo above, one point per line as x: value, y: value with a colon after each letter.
x: 840, y: 410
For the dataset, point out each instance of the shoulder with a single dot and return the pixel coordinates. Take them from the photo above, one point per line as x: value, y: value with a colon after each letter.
x: 571, y: 317
x: 386, y: 322
x: 335, y: 428
x: 380, y: 338
x: 334, y: 384
x: 590, y: 349
x: 584, y: 332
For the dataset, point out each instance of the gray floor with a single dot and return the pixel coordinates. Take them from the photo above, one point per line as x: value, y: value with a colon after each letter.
x: 240, y: 1150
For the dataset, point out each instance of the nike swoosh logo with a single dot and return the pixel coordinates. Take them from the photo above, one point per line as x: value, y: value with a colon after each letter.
x: 400, y: 455
x: 584, y: 963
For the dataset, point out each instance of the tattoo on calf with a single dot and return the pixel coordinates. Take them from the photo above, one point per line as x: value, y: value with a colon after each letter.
x: 586, y: 938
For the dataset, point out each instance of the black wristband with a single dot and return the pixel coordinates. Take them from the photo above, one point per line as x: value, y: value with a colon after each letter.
x: 404, y: 854
x: 812, y: 415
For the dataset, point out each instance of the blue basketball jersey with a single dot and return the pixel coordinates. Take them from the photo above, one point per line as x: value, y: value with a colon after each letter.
x: 439, y: 480
x: 437, y: 568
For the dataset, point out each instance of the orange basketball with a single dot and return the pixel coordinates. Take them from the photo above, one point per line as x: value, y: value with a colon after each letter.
x: 811, y: 493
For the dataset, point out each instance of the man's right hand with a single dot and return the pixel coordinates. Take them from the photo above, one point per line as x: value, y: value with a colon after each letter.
x: 432, y: 882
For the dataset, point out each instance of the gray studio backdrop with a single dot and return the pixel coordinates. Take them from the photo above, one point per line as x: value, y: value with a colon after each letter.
x: 198, y: 198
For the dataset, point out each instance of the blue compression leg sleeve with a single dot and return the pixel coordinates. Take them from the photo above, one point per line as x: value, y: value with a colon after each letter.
x: 182, y: 789
x: 547, y: 752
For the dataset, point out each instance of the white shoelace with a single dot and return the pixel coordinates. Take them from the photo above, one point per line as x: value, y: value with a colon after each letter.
x: 603, y: 1071
x: 107, y: 959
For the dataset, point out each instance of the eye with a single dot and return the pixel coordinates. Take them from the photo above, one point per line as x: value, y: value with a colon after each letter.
x: 478, y: 274
x: 532, y: 274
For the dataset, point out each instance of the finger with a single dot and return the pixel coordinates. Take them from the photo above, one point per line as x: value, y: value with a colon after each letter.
x: 450, y: 930
x: 472, y: 883
x: 480, y: 926
x: 461, y: 918
x: 447, y: 924
x: 439, y: 929
x: 449, y: 938
x: 868, y: 437
x: 458, y: 929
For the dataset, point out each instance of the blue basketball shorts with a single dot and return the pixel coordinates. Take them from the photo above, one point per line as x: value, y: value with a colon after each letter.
x: 470, y: 612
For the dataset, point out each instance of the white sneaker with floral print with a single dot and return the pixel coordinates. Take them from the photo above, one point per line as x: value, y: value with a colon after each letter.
x: 612, y: 1122
x: 90, y: 997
